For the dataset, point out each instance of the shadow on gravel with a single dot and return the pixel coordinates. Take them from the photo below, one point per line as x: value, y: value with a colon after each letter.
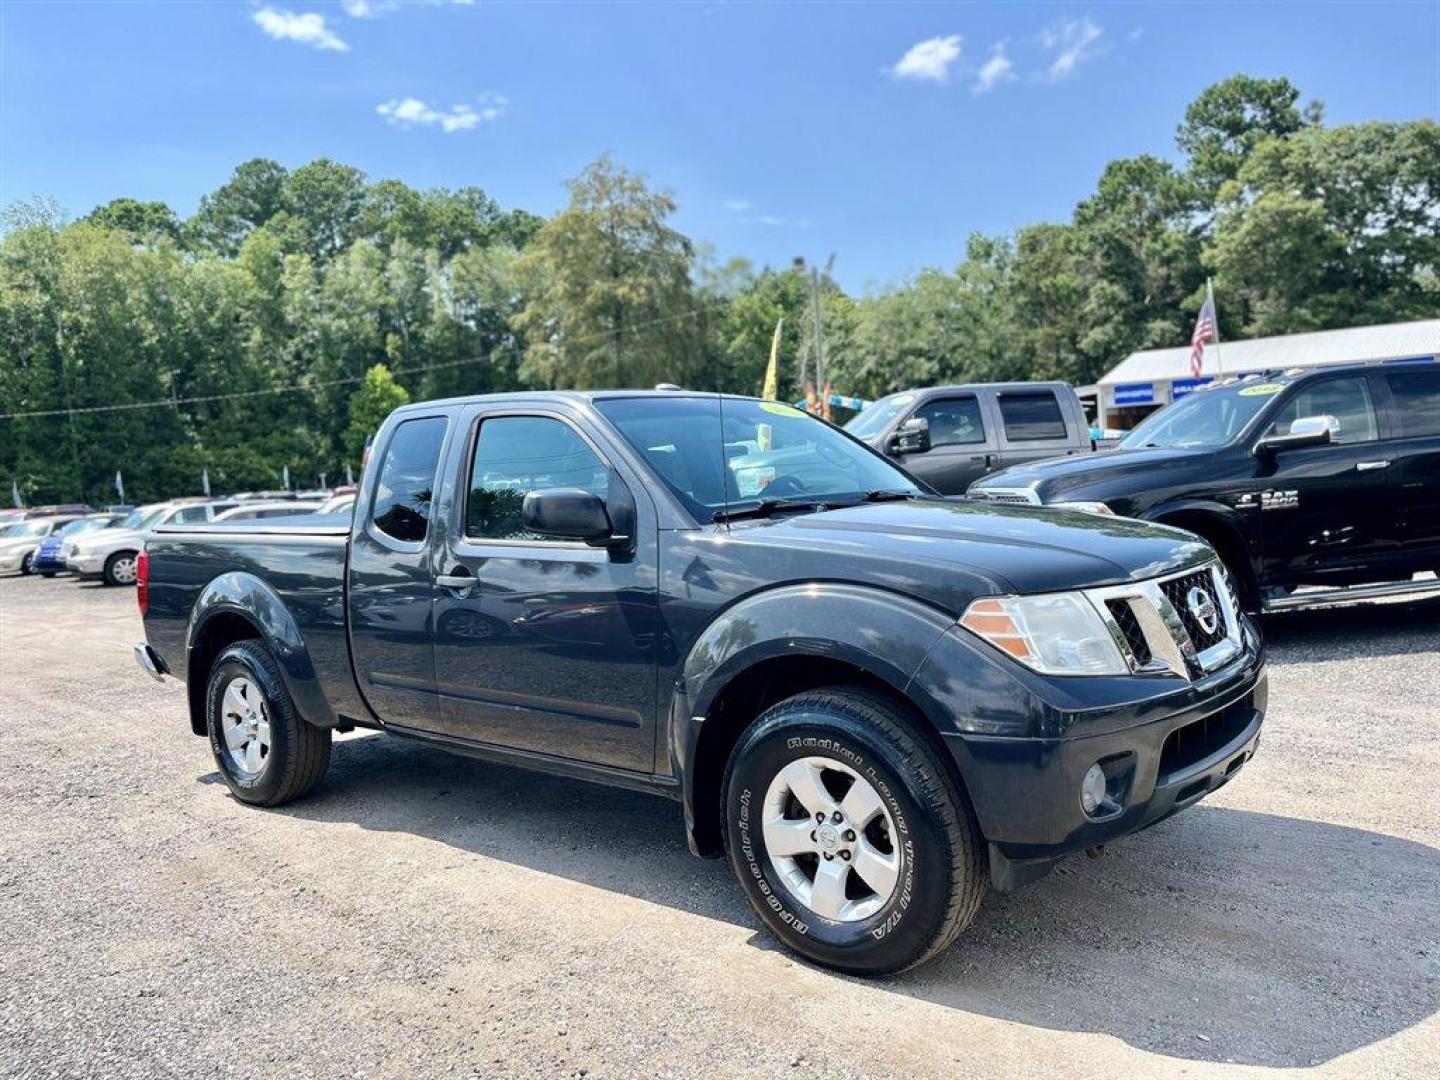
x: 1219, y: 935
x: 1353, y: 632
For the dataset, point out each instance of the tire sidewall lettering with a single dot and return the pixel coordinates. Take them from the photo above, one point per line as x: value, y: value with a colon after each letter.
x: 776, y: 896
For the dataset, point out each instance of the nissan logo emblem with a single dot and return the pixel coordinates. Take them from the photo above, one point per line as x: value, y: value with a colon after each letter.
x: 1202, y: 609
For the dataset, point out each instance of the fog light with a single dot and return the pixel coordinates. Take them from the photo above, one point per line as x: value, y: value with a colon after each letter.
x: 1092, y: 790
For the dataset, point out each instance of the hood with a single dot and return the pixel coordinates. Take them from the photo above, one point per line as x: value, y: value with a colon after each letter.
x: 1056, y: 478
x: 945, y: 551
x: 103, y: 537
x: 14, y: 543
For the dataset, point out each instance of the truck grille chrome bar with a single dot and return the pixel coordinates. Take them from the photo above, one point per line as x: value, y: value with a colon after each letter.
x: 1018, y: 496
x: 1184, y: 624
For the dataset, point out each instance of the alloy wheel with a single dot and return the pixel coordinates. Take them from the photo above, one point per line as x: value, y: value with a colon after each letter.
x: 830, y: 838
x: 245, y: 725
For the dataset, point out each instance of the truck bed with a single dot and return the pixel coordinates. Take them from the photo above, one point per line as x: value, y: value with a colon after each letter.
x: 299, y: 561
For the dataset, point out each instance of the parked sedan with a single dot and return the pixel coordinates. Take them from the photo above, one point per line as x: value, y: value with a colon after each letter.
x: 20, y: 541
x: 252, y: 511
x: 50, y: 559
x: 110, y: 554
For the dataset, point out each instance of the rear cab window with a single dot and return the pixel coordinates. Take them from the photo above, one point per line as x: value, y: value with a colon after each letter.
x: 1031, y: 416
x: 405, y: 486
x: 1417, y: 400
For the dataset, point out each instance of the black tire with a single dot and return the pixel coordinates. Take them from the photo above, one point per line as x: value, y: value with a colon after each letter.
x: 299, y: 753
x: 120, y: 568
x: 942, y: 872
x: 27, y: 565
x: 47, y: 574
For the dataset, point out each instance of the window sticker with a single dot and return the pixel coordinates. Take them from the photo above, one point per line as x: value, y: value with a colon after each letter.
x: 1262, y: 389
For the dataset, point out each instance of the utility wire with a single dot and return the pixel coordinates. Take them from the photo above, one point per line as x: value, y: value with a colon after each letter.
x: 324, y: 384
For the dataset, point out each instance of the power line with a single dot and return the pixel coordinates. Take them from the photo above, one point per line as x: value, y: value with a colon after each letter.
x: 324, y: 384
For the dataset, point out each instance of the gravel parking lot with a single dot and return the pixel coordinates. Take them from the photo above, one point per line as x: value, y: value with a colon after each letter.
x: 423, y: 914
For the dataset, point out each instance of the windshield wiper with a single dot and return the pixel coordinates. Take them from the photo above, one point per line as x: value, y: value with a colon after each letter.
x: 765, y: 508
x: 889, y: 496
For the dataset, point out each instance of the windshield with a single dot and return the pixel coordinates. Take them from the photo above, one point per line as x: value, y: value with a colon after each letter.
x: 766, y: 451
x: 143, y: 518
x: 27, y: 528
x: 1204, y: 420
x: 83, y: 525
x: 878, y: 415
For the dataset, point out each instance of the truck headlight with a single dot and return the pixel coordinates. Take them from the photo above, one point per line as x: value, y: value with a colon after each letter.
x: 1054, y: 634
x: 1084, y: 507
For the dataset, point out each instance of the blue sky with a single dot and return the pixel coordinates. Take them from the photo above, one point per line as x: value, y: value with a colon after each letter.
x: 884, y: 133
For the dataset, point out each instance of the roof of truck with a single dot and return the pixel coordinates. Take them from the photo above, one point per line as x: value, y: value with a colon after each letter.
x: 573, y: 397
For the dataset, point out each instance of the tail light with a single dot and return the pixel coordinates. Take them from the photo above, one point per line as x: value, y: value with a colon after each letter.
x: 142, y: 581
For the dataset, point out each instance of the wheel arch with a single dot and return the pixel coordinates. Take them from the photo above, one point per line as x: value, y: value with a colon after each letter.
x: 239, y: 607
x: 1223, y: 530
x: 780, y: 643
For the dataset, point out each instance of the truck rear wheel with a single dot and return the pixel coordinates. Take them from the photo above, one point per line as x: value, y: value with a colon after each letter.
x: 267, y: 754
x: 849, y: 836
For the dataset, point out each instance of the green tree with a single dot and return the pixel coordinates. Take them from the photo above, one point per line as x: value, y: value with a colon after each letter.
x: 252, y: 196
x: 379, y: 395
x: 1228, y: 120
x: 147, y: 222
x: 1333, y: 227
x: 610, y: 299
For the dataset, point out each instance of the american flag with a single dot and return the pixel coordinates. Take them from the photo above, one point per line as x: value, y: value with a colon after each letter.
x: 1205, y: 331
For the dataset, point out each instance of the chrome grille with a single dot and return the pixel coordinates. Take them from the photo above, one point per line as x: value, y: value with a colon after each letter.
x: 1124, y: 616
x: 1178, y: 592
x: 1157, y: 630
x: 1020, y: 496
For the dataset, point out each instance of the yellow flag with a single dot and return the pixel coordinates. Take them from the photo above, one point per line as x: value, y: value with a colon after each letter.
x: 771, y: 392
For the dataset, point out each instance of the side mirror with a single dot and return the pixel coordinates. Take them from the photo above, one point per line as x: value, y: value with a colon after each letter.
x: 912, y: 437
x: 1306, y: 431
x: 571, y: 513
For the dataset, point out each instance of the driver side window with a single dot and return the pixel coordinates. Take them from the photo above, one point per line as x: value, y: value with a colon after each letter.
x: 1347, y: 400
x: 953, y: 421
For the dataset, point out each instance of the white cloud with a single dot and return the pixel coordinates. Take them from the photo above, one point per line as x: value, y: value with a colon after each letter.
x: 373, y: 9
x: 1071, y: 41
x: 997, y: 69
x: 930, y: 59
x: 408, y: 112
x: 740, y: 206
x: 308, y: 28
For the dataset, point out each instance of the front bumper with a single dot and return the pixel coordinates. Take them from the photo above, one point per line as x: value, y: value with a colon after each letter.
x: 1161, y: 753
x: 86, y: 565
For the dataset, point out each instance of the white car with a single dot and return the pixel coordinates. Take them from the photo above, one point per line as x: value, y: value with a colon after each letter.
x: 111, y: 554
x: 19, y: 541
x: 251, y: 511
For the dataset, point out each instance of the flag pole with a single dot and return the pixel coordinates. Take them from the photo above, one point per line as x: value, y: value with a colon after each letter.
x: 1219, y: 364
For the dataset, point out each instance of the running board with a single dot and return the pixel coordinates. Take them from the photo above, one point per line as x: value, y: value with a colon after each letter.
x: 1344, y: 595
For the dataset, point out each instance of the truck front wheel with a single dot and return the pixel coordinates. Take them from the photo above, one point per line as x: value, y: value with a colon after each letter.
x: 267, y: 754
x: 849, y: 836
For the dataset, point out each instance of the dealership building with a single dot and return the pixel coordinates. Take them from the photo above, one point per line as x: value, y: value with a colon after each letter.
x: 1144, y: 381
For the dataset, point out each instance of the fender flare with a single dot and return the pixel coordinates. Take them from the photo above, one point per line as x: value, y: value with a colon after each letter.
x: 884, y: 634
x: 1226, y: 516
x: 245, y: 595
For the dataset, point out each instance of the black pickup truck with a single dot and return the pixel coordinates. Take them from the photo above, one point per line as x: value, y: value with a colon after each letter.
x: 1315, y: 487
x: 873, y: 700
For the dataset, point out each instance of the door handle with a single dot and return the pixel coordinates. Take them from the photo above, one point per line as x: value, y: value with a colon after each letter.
x: 461, y: 583
x: 1371, y: 466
